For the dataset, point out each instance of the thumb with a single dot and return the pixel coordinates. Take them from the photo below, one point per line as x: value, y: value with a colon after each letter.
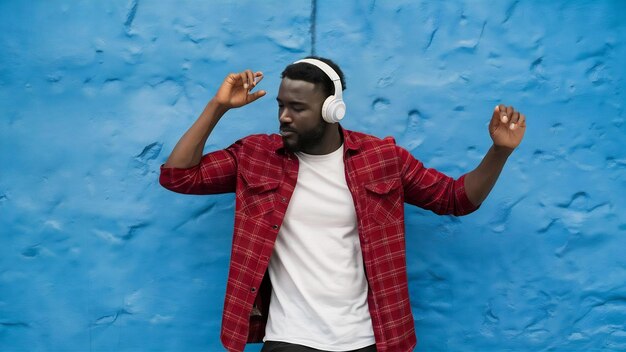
x: 256, y: 95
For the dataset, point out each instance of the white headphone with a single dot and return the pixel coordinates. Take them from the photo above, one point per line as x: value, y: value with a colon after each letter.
x: 333, y: 109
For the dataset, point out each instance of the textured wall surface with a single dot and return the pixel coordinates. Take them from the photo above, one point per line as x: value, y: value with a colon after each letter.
x: 94, y: 255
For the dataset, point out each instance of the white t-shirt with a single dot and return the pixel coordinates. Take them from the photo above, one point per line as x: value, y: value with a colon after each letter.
x: 319, y: 295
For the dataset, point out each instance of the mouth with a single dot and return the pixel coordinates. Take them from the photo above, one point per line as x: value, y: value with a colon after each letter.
x: 285, y: 132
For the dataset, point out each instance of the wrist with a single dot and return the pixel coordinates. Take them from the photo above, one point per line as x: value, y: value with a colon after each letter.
x: 218, y: 108
x: 502, y: 150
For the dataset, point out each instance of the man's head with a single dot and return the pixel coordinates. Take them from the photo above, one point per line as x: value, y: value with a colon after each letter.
x: 303, y: 90
x: 310, y: 73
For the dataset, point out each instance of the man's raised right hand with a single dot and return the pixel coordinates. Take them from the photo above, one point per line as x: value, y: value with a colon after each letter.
x: 235, y: 90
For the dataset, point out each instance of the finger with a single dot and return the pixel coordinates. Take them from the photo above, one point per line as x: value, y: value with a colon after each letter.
x: 256, y: 95
x: 258, y: 76
x: 522, y: 121
x: 250, y: 79
x: 502, y: 113
x: 509, y: 112
x: 232, y: 78
x: 244, y: 79
x: 514, y: 120
x: 514, y: 117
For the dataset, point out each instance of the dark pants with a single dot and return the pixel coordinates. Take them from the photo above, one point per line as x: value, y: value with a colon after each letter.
x: 277, y: 346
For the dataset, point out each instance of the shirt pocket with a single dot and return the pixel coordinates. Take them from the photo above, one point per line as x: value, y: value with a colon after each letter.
x: 259, y: 194
x: 384, y: 201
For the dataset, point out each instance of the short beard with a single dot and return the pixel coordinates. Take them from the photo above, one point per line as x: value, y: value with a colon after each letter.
x: 307, y: 140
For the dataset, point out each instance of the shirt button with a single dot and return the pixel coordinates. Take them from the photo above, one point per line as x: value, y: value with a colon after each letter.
x: 253, y: 289
x: 283, y: 199
x: 275, y: 227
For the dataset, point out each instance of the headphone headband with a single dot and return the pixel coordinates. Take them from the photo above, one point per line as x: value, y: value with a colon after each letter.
x: 328, y: 71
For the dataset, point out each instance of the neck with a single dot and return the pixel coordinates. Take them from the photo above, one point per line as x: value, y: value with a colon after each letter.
x: 331, y: 140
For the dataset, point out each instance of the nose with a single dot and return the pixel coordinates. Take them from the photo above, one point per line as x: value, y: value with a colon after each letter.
x: 284, y: 116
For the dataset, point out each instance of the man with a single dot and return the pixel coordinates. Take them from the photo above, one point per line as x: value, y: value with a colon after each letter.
x: 318, y: 256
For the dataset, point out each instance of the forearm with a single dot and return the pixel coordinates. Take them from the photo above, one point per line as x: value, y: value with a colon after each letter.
x: 480, y: 181
x: 188, y: 150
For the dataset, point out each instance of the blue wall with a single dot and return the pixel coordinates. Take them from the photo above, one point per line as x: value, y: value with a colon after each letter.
x: 94, y: 255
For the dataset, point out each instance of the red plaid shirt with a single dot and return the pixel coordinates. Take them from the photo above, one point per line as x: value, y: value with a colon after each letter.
x: 381, y: 177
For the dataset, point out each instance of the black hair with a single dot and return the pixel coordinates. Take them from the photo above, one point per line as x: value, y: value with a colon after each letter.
x: 310, y: 73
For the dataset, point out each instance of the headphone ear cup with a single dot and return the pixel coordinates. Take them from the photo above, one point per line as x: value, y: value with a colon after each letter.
x: 333, y: 109
x: 339, y: 109
x: 326, y: 113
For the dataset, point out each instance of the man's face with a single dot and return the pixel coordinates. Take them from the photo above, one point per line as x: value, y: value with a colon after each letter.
x: 300, y: 115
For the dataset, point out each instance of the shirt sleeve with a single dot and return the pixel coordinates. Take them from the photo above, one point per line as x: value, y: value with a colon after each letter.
x: 216, y: 173
x: 431, y: 189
